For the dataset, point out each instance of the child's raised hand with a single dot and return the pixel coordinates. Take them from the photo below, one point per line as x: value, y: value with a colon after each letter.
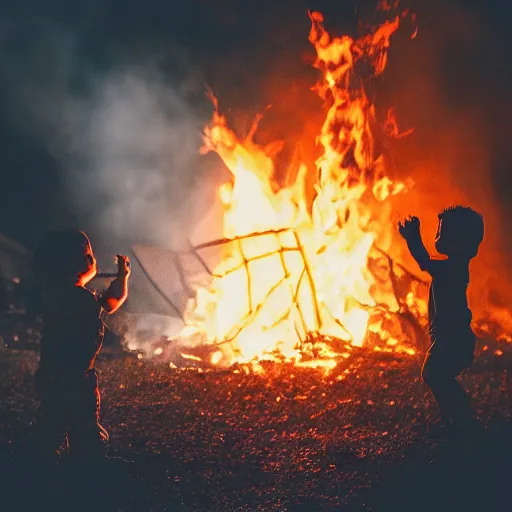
x: 409, y: 227
x: 123, y: 265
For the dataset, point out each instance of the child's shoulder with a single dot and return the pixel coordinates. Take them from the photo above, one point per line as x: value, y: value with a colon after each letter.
x: 452, y: 270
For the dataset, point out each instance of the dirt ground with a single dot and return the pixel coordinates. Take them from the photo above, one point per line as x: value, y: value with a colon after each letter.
x: 290, y: 439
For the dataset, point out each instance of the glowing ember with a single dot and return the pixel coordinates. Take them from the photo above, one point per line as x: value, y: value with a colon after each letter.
x: 295, y: 282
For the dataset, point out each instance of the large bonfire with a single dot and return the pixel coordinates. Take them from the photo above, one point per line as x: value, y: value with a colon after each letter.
x: 307, y: 282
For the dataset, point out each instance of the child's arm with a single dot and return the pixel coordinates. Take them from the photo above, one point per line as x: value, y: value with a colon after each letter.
x: 410, y: 230
x: 115, y: 295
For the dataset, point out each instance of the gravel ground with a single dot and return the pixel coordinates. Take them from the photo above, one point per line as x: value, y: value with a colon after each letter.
x: 288, y: 439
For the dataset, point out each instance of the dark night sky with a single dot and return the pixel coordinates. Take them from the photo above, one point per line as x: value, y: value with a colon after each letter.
x: 266, y: 43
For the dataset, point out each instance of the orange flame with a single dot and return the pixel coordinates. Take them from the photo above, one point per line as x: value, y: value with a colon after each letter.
x: 293, y: 271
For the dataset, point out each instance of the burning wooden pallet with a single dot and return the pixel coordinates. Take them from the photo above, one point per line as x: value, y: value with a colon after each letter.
x: 404, y: 320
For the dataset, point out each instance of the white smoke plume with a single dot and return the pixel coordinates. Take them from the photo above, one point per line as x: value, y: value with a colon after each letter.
x: 138, y: 155
x: 126, y: 139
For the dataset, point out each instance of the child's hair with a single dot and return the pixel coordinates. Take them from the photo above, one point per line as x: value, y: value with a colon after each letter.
x: 62, y: 254
x: 466, y: 227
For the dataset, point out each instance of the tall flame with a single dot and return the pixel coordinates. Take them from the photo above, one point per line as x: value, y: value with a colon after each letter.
x: 292, y: 270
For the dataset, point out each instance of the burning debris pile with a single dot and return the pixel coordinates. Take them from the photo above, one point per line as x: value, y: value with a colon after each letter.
x: 308, y: 280
x: 317, y: 348
x: 306, y: 276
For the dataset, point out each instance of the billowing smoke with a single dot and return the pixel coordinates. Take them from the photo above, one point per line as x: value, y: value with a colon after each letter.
x: 134, y: 166
x: 126, y: 139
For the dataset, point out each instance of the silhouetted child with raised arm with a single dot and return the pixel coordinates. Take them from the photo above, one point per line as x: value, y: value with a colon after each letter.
x: 459, y: 234
x: 72, y: 336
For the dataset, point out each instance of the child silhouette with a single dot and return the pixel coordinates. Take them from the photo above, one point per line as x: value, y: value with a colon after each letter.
x: 72, y: 336
x: 459, y: 234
